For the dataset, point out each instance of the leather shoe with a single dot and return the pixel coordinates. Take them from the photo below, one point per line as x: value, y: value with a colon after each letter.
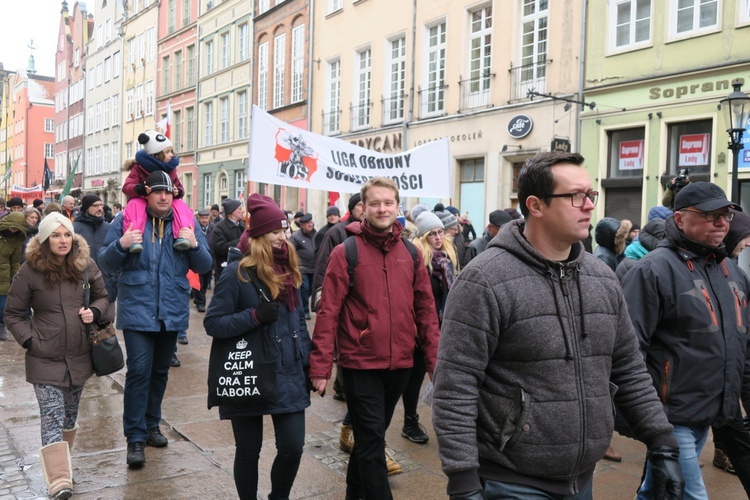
x: 175, y: 361
x: 156, y: 438
x: 136, y: 457
x: 201, y: 309
x: 182, y: 340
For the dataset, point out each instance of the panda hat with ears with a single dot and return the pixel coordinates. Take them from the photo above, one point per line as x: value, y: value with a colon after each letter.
x: 153, y: 142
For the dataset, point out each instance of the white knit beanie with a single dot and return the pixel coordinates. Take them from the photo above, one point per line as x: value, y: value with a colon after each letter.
x: 426, y: 222
x: 154, y: 142
x: 51, y: 222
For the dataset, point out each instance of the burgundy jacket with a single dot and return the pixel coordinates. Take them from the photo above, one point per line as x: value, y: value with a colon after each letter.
x: 374, y: 323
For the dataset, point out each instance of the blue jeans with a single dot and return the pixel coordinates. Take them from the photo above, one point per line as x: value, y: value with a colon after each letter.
x: 304, y: 291
x: 691, y: 441
x: 495, y: 490
x: 149, y: 355
x: 3, y: 299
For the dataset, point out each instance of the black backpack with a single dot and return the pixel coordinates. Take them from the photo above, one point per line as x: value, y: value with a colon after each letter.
x: 352, y: 256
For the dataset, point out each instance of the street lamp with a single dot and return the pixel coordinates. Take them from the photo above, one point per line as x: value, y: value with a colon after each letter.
x: 736, y: 107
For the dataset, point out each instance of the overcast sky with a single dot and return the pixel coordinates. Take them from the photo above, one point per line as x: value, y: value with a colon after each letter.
x: 23, y: 20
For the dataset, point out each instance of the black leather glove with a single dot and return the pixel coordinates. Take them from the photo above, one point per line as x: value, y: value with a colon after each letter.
x: 666, y: 473
x: 140, y: 189
x: 267, y: 312
x: 27, y: 344
x: 471, y: 495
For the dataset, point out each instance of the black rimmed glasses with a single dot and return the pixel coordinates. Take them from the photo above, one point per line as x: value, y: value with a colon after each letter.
x: 578, y: 199
x: 435, y: 234
x: 712, y: 216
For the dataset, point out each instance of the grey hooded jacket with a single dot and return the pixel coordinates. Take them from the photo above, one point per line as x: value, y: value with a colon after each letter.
x: 531, y: 353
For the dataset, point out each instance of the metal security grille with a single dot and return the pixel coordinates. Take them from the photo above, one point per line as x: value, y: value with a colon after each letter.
x: 624, y: 203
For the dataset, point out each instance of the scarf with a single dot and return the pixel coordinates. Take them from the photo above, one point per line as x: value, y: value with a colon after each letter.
x: 288, y: 294
x: 151, y: 164
x: 635, y: 250
x: 385, y: 241
x: 442, y: 270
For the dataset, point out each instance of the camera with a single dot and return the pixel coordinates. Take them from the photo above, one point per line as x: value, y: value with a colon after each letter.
x: 681, y: 180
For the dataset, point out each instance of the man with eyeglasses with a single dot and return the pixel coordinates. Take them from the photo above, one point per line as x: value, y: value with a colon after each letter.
x: 688, y: 303
x: 534, y: 341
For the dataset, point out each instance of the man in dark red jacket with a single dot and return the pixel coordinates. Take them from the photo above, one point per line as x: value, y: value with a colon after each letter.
x: 373, y: 325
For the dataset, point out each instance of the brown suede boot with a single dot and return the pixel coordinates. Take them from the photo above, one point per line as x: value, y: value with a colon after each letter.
x: 346, y: 440
x: 721, y: 460
x: 58, y: 471
x: 69, y: 436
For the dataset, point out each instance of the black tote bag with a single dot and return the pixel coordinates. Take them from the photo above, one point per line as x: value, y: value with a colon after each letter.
x: 242, y: 369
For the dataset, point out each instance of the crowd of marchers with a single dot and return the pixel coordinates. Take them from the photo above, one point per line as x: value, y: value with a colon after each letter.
x: 537, y: 349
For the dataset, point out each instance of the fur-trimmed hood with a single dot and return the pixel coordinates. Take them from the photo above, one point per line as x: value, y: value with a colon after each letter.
x: 34, y: 249
x: 612, y: 234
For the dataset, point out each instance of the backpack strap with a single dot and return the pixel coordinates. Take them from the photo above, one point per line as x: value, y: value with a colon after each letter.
x: 352, y: 257
x: 413, y: 251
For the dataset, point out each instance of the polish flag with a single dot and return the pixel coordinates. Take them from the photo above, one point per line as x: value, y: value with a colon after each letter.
x: 165, y: 125
x: 333, y: 197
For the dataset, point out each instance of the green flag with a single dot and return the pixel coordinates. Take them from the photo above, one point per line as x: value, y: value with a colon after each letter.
x: 69, y: 183
x: 8, y: 171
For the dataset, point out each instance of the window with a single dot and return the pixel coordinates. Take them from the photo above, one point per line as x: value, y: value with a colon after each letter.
x: 361, y: 110
x: 49, y: 125
x: 241, y: 115
x: 129, y: 111
x: 98, y: 117
x: 433, y: 97
x: 226, y: 49
x: 177, y: 129
x: 97, y: 160
x: 165, y: 69
x: 209, y: 57
x: 99, y: 74
x: 263, y: 5
x: 190, y: 128
x: 207, y: 199
x: 115, y: 101
x: 151, y: 44
x: 49, y: 150
x: 107, y: 69
x: 693, y: 17
x: 178, y: 70
x: 105, y: 158
x: 224, y: 124
x: 115, y: 157
x: 149, y: 98
x: 77, y: 58
x: 108, y: 29
x: 129, y: 150
x: 171, y: 16
x: 240, y: 182
x: 185, y: 12
x: 477, y: 88
x: 116, y: 63
x: 472, y: 170
x: 99, y: 37
x: 208, y: 138
x: 534, y: 41
x: 141, y: 57
x: 744, y: 11
x: 631, y: 23
x: 243, y: 44
x: 333, y: 102
x: 334, y: 5
x: 89, y: 161
x: 139, y: 101
x: 393, y: 108
x: 105, y: 113
x: 626, y: 152
x: 298, y: 61
x: 191, y: 65
x: 690, y: 147
x: 263, y: 76
x: 279, y: 69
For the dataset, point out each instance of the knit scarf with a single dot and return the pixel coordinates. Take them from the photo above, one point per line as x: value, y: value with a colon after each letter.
x: 384, y: 241
x: 442, y: 269
x: 151, y: 164
x: 288, y: 294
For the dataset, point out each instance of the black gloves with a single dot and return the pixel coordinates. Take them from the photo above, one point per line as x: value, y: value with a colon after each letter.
x: 470, y: 495
x: 27, y: 344
x: 267, y: 312
x: 140, y: 189
x: 666, y: 473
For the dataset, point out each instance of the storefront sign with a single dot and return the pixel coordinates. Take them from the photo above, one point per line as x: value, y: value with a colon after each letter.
x: 460, y: 137
x: 631, y: 155
x: 561, y: 145
x: 520, y: 126
x: 744, y: 158
x: 97, y: 182
x: 693, y: 150
x: 381, y: 143
x: 680, y: 91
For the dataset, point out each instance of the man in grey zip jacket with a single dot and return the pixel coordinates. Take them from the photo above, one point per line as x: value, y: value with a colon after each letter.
x: 535, y: 345
x: 688, y: 303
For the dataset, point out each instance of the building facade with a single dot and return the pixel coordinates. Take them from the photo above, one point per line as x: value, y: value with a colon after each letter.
x: 657, y: 71
x: 104, y: 91
x: 223, y: 96
x: 421, y: 71
x: 6, y: 131
x: 177, y: 56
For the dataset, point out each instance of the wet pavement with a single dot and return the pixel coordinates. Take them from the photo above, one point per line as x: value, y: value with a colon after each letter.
x: 198, y: 461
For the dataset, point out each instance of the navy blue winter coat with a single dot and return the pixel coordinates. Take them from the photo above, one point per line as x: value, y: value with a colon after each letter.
x: 153, y: 286
x: 229, y: 314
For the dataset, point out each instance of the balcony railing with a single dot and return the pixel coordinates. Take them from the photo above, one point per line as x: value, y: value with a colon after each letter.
x: 393, y: 109
x: 475, y: 92
x: 331, y: 122
x: 360, y: 116
x: 527, y: 77
x: 432, y: 101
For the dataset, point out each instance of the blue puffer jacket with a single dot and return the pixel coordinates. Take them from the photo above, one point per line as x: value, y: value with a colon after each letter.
x: 230, y: 314
x: 153, y: 286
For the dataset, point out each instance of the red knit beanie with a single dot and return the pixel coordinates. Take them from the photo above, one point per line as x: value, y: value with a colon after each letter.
x: 265, y: 215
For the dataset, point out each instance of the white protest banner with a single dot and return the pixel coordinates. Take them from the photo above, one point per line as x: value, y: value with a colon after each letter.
x: 283, y: 154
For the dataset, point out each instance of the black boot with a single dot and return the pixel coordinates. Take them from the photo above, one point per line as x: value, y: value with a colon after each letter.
x: 413, y: 430
x: 136, y: 456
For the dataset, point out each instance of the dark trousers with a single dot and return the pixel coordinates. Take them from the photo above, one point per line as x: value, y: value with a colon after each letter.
x: 304, y: 291
x: 371, y: 396
x: 199, y: 296
x: 416, y: 377
x: 289, y: 429
x: 734, y: 440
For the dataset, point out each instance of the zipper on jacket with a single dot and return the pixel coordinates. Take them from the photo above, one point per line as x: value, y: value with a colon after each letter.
x: 664, y: 382
x: 297, y: 348
x: 563, y: 281
x: 281, y: 349
x: 710, y: 305
x: 738, y: 307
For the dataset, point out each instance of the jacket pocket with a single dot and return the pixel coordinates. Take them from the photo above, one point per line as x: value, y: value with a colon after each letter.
x: 46, y: 343
x: 134, y: 278
x: 514, y: 422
